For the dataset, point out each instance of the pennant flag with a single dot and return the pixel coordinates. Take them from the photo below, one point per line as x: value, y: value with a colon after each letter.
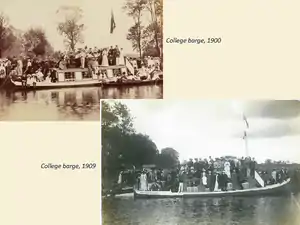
x: 112, y: 23
x: 245, y: 135
x: 245, y: 119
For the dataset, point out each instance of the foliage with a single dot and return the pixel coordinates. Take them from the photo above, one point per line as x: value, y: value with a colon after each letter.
x: 123, y: 147
x: 168, y: 158
x: 71, y: 28
x: 7, y: 38
x: 152, y: 40
x: 135, y: 36
x: 36, y: 41
x: 134, y: 9
x: 147, y: 40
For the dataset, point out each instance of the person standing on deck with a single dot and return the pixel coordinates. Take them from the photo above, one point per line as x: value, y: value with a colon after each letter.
x: 120, y: 178
x: 121, y: 57
x: 110, y: 56
x: 104, y: 58
x: 216, y: 188
x: 2, y: 71
x: 181, y: 178
x: 82, y: 58
x: 274, y: 176
x: 204, y: 180
x: 234, y: 179
x: 209, y: 180
x: 117, y: 52
x: 252, y: 167
x: 227, y: 169
x: 143, y: 181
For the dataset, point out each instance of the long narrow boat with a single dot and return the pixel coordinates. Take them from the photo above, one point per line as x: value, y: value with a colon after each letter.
x: 77, y: 77
x: 275, y: 189
x: 17, y: 85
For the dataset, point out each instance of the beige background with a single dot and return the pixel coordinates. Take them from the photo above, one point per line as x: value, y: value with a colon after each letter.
x: 30, y: 195
x: 259, y: 57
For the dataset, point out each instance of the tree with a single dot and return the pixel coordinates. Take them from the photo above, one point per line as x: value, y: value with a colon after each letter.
x: 134, y: 9
x: 134, y: 35
x: 122, y: 146
x: 153, y: 33
x: 7, y: 38
x: 36, y: 41
x: 71, y: 28
x: 268, y: 161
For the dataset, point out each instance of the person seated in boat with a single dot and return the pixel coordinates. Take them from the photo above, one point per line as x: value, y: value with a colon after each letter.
x: 2, y: 71
x: 13, y: 74
x: 31, y: 80
x: 39, y: 75
x: 121, y: 77
x: 103, y: 75
x: 142, y: 73
x: 132, y: 77
x: 155, y: 76
x: 62, y: 64
x: 94, y: 65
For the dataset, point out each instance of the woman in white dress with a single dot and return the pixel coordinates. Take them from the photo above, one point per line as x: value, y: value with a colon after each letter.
x: 120, y: 178
x: 121, y: 57
x: 216, y: 184
x: 104, y: 58
x: 19, y: 67
x: 204, y: 180
x: 143, y: 181
x: 227, y: 169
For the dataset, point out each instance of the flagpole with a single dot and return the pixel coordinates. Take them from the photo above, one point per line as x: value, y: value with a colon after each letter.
x: 246, y: 144
x: 246, y: 135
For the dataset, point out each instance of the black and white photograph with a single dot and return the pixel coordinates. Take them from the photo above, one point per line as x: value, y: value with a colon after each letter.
x: 59, y: 58
x: 200, y: 162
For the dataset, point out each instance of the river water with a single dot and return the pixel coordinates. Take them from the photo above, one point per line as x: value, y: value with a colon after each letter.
x: 67, y: 104
x: 201, y: 211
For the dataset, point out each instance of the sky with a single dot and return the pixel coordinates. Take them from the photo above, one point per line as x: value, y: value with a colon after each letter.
x: 215, y: 128
x: 96, y: 16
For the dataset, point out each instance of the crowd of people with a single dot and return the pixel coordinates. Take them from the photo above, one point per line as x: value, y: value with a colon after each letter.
x: 36, y: 70
x: 220, y: 174
x: 92, y: 57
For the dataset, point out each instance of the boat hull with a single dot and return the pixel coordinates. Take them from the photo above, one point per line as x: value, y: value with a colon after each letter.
x: 277, y: 189
x: 18, y: 86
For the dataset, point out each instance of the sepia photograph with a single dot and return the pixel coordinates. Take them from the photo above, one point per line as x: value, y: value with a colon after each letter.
x: 59, y: 60
x: 200, y: 162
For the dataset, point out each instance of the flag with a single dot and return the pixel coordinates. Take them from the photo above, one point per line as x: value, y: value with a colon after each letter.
x: 245, y: 119
x: 245, y: 135
x: 112, y: 23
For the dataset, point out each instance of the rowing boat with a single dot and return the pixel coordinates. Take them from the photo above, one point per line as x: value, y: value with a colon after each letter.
x: 275, y: 189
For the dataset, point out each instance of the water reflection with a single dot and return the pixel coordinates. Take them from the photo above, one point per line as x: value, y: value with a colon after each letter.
x: 67, y: 104
x: 244, y: 211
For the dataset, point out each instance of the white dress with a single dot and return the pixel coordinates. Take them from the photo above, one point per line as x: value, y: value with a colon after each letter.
x: 120, y: 179
x: 143, y: 182
x: 104, y: 58
x: 216, y: 184
x: 2, y: 71
x: 227, y: 169
x: 204, y: 180
x: 121, y: 58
